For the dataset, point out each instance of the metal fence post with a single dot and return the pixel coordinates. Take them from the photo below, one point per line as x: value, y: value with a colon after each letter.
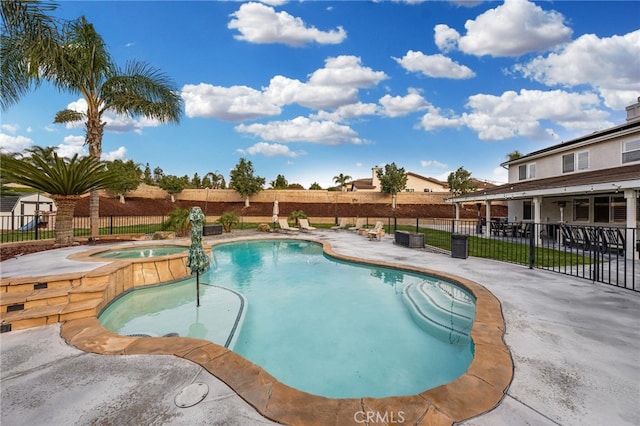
x: 532, y: 245
x: 35, y: 224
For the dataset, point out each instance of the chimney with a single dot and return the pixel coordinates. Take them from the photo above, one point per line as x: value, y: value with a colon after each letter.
x: 375, y: 182
x: 633, y: 111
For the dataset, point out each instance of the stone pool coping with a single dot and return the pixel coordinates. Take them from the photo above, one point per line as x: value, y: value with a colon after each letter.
x: 478, y: 390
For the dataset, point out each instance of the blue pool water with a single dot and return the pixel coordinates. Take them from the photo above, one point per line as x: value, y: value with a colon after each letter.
x: 140, y: 252
x: 317, y: 324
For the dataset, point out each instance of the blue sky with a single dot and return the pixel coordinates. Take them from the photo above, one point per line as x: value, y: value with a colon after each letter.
x: 313, y: 89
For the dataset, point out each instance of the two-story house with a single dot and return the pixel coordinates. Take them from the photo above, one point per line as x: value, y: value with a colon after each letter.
x: 590, y: 180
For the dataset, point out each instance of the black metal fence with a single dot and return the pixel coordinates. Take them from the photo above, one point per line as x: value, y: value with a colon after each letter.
x: 597, y: 253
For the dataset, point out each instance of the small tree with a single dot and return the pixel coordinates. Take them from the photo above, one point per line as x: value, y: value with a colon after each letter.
x: 158, y: 173
x: 279, y: 183
x: 514, y: 155
x: 228, y: 220
x: 196, y: 182
x: 147, y: 177
x: 128, y: 177
x: 392, y: 181
x: 295, y: 186
x: 178, y: 221
x: 244, y: 181
x: 65, y: 180
x: 173, y: 185
x: 295, y: 215
x: 460, y: 182
x: 315, y: 186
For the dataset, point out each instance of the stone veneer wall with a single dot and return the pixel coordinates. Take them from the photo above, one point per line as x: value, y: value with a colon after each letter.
x: 81, y: 295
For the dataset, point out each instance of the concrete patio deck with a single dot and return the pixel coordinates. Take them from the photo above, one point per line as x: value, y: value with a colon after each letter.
x: 575, y: 347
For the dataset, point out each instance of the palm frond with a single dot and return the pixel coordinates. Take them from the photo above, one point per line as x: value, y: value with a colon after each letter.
x: 142, y: 90
x: 57, y: 175
x: 69, y: 116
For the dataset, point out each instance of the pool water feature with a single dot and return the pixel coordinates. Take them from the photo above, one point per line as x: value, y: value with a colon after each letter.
x: 142, y: 251
x: 320, y: 325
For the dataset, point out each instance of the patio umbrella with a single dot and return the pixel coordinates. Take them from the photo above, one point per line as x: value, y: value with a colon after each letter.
x: 197, y: 261
x: 276, y: 211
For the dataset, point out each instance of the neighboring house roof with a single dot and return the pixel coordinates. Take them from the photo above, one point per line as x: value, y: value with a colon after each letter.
x: 8, y: 203
x: 591, y: 138
x: 603, y: 180
x: 362, y: 184
x: 432, y: 180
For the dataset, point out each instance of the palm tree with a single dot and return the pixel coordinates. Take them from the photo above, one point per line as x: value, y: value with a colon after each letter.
x: 217, y: 180
x: 65, y: 180
x: 77, y: 61
x: 28, y: 33
x: 342, y: 180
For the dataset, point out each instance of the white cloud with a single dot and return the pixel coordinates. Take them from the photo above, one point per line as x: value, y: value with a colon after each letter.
x: 396, y: 106
x: 437, y: 66
x: 284, y: 91
x: 259, y: 23
x: 345, y: 112
x: 71, y: 145
x: 302, y: 129
x: 10, y: 128
x: 118, y: 154
x: 11, y: 144
x: 512, y: 29
x: 234, y: 103
x: 523, y: 114
x: 611, y: 65
x: 446, y: 38
x: 346, y: 71
x: 433, y: 163
x: 270, y: 150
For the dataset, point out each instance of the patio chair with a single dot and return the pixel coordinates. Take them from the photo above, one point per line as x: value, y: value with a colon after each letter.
x: 342, y: 225
x: 305, y: 226
x: 284, y: 226
x: 359, y: 225
x: 376, y: 232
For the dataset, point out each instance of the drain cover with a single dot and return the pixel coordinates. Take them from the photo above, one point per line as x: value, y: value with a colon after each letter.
x: 191, y: 395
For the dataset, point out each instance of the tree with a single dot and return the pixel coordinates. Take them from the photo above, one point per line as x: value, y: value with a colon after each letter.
x: 295, y: 186
x: 514, y: 155
x: 392, y: 181
x: 460, y: 182
x: 158, y: 174
x: 28, y: 34
x: 65, y: 180
x: 77, y: 61
x: 279, y: 183
x: 342, y: 180
x: 244, y: 181
x: 315, y: 186
x: 217, y: 180
x: 196, y: 182
x: 128, y: 177
x: 206, y: 182
x: 147, y: 178
x: 173, y: 185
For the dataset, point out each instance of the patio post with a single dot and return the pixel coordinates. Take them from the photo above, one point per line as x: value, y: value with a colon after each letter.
x: 537, y: 202
x: 631, y: 196
x: 487, y: 229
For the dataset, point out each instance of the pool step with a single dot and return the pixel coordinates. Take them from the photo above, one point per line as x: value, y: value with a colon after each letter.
x: 38, y: 304
x: 441, y: 309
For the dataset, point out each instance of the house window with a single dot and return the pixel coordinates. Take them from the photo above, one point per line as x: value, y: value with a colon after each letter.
x: 581, y: 209
x: 527, y: 171
x: 410, y: 190
x: 618, y: 209
x: 601, y: 210
x: 631, y: 151
x: 527, y: 208
x: 575, y: 161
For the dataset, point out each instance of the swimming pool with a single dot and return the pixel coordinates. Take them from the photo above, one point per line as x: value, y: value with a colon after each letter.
x: 143, y: 251
x: 320, y: 325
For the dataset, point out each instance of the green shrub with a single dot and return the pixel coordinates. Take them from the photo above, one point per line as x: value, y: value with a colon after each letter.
x: 178, y: 221
x: 295, y: 215
x: 227, y: 221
